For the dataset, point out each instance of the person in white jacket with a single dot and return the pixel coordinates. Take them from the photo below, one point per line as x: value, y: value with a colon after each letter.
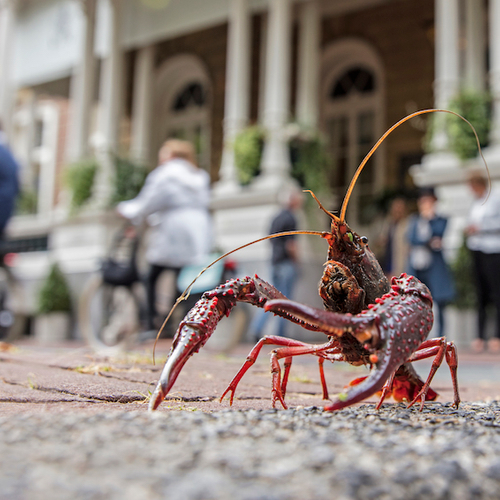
x: 174, y: 201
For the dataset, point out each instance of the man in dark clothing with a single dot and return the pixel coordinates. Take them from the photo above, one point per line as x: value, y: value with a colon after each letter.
x: 9, y: 186
x: 284, y: 260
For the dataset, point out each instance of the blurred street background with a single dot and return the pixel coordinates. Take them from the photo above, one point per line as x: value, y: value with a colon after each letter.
x: 274, y: 95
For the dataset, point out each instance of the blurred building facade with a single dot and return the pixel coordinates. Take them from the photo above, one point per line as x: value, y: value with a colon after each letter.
x: 84, y: 78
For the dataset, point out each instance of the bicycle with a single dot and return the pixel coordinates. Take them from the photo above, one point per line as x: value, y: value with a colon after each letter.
x: 112, y: 308
x: 13, y: 316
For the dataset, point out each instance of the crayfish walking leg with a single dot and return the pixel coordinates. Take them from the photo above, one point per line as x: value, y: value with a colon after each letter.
x: 291, y: 348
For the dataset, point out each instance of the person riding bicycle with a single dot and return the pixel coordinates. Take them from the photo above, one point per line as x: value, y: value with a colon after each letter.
x: 174, y: 201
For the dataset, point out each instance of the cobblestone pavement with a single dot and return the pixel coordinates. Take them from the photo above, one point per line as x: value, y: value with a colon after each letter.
x: 75, y: 425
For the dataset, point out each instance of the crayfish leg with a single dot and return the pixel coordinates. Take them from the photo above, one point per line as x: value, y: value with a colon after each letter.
x: 291, y: 347
x: 439, y: 348
x: 321, y: 362
x: 386, y: 390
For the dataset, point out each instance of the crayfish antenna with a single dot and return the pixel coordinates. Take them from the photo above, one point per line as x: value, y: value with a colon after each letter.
x: 327, y: 212
x: 388, y: 132
x: 187, y: 291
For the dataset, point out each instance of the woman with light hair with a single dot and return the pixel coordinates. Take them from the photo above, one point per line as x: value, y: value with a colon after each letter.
x: 174, y: 201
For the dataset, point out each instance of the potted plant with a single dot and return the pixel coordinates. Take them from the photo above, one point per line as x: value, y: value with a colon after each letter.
x: 52, y: 323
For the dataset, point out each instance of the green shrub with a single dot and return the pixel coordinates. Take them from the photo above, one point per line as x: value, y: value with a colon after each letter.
x: 54, y: 294
x: 128, y: 179
x: 476, y: 108
x: 248, y: 146
x: 80, y: 178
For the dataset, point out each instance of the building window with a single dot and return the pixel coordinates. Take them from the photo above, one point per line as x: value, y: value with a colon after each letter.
x: 188, y: 119
x: 350, y: 123
x: 183, y: 104
x: 192, y: 94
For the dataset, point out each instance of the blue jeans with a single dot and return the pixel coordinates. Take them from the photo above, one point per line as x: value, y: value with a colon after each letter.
x: 283, y: 277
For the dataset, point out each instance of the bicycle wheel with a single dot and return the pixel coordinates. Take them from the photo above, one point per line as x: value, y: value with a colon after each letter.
x: 108, y: 316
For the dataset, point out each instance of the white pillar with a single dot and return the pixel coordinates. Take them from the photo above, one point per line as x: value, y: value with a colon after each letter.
x: 447, y: 64
x: 308, y: 64
x: 276, y: 158
x: 262, y: 66
x: 494, y: 34
x: 7, y: 16
x: 84, y: 94
x: 142, y: 105
x: 111, y: 110
x: 475, y: 63
x: 236, y: 109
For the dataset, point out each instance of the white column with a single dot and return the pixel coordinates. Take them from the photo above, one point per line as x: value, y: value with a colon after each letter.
x: 111, y: 110
x: 447, y: 64
x: 7, y: 16
x: 142, y: 105
x: 475, y: 63
x: 262, y: 66
x: 308, y: 64
x: 276, y: 158
x: 494, y: 34
x: 84, y: 94
x: 237, y: 88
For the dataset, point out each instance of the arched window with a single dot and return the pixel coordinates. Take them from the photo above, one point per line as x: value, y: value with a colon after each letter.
x: 352, y: 121
x: 183, y: 110
x: 188, y: 118
x: 193, y: 94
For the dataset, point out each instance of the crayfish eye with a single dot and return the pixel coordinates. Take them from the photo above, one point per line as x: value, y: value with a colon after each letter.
x: 364, y: 240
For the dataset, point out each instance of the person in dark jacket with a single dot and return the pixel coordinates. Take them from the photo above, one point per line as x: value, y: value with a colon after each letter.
x: 284, y: 260
x: 9, y: 186
x: 426, y: 260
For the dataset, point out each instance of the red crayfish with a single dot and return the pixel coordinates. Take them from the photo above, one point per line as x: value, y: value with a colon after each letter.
x: 368, y: 321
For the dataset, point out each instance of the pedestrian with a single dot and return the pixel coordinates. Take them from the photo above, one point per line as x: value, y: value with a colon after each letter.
x: 426, y: 261
x: 392, y: 244
x: 9, y: 186
x: 174, y: 201
x: 483, y: 239
x: 284, y: 260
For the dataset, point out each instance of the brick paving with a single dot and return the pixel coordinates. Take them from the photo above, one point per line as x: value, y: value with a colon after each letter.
x: 72, y: 377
